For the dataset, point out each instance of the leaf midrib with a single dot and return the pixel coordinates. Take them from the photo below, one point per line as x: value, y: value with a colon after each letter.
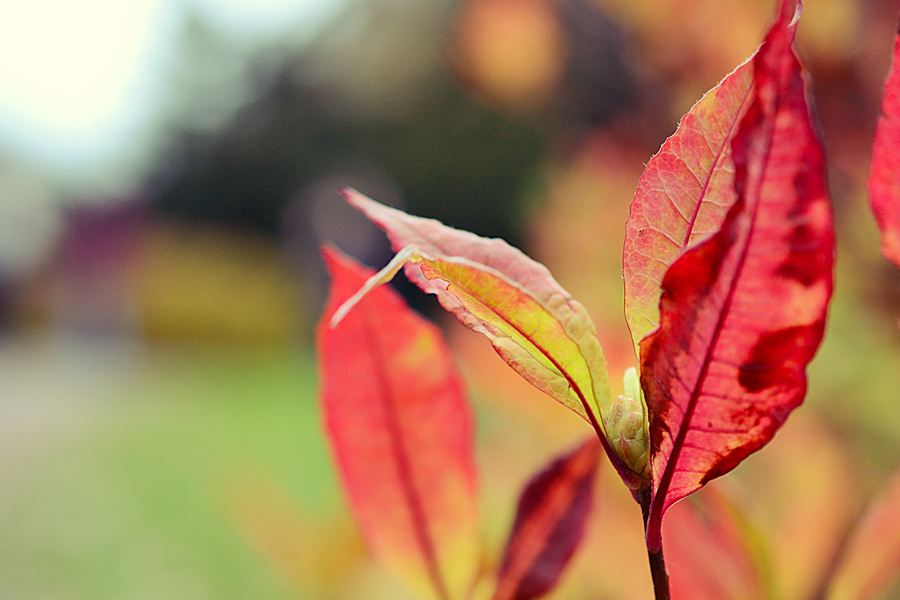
x: 678, y: 444
x: 404, y: 466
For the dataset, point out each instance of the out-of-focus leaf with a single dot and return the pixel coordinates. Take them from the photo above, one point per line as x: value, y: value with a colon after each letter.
x: 549, y: 525
x: 402, y: 434
x: 884, y: 177
x: 742, y: 313
x: 312, y: 553
x: 682, y: 197
x: 871, y: 560
x: 807, y: 503
x: 716, y: 550
x: 494, y: 289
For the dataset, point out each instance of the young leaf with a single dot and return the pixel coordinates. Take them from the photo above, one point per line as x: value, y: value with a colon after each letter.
x: 532, y: 322
x: 884, y: 177
x: 401, y: 432
x: 743, y: 313
x: 682, y: 197
x: 549, y: 524
x: 871, y: 559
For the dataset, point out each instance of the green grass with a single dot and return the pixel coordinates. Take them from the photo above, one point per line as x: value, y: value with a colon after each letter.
x: 130, y: 500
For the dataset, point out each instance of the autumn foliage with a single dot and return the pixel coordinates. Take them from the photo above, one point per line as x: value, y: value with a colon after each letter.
x: 728, y: 269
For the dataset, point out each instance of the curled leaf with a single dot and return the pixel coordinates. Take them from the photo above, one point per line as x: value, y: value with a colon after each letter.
x: 401, y: 431
x: 494, y: 289
x: 742, y: 314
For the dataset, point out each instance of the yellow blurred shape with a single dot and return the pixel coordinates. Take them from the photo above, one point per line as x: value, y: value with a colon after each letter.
x: 697, y: 43
x: 511, y: 51
x: 612, y: 559
x: 828, y: 30
x: 213, y: 284
x: 312, y: 552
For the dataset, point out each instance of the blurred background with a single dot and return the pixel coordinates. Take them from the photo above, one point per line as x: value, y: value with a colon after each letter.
x: 168, y: 170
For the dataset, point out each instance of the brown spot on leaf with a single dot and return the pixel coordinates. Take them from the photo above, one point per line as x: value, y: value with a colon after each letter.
x: 811, y: 242
x: 809, y: 258
x: 806, y: 268
x: 779, y: 356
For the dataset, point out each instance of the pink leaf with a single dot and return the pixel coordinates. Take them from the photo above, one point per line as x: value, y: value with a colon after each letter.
x: 871, y: 560
x: 682, y: 197
x: 715, y: 549
x: 744, y: 312
x: 549, y: 525
x: 401, y: 431
x: 884, y: 177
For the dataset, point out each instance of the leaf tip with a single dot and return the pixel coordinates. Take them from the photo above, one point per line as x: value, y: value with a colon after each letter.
x: 789, y: 12
x: 381, y: 277
x: 550, y: 524
x: 798, y: 12
x: 330, y: 253
x: 354, y: 197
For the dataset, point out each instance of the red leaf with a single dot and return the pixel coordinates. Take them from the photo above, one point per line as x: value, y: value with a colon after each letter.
x: 402, y: 434
x: 871, y: 561
x: 682, y: 197
x: 884, y: 178
x: 744, y: 312
x: 549, y: 525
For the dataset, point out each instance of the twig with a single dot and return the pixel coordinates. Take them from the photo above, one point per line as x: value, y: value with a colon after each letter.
x: 658, y: 571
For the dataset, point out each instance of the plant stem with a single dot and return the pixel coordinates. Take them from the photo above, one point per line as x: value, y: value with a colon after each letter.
x: 658, y: 571
x: 659, y: 575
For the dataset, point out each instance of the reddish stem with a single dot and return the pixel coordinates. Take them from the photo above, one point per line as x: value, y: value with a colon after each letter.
x: 659, y: 575
x: 658, y: 572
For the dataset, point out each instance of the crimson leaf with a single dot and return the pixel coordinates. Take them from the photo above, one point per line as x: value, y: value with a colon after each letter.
x: 884, y: 177
x: 743, y: 313
x: 549, y: 524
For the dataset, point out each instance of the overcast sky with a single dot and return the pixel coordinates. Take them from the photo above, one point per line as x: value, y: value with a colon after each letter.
x: 78, y: 80
x: 83, y: 85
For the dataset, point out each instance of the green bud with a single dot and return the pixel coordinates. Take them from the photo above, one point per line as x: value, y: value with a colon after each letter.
x: 626, y: 425
x: 633, y: 384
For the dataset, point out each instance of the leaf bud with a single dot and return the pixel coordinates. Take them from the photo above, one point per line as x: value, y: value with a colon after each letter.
x: 626, y: 425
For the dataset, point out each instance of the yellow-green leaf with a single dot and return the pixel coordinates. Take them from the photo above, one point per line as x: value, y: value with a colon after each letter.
x: 495, y: 289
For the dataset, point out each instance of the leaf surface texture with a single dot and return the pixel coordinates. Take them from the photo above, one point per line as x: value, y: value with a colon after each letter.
x: 742, y: 313
x: 401, y: 431
x: 682, y: 197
